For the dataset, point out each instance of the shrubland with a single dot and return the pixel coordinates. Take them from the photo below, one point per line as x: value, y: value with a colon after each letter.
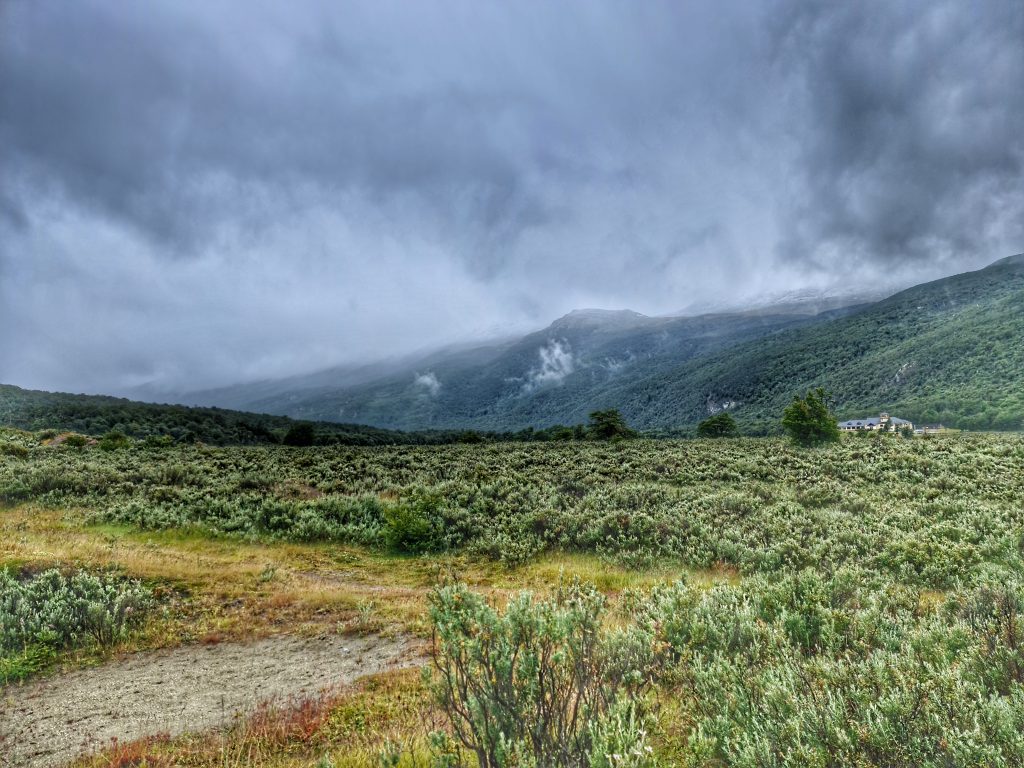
x: 874, y: 617
x: 802, y: 670
x: 928, y: 512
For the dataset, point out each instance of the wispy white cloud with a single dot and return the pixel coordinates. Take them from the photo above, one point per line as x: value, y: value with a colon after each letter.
x: 429, y: 383
x: 556, y: 362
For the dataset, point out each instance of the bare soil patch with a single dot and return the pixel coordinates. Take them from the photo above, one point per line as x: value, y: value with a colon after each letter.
x: 51, y: 721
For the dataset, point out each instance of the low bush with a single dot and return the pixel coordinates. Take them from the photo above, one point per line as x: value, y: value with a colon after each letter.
x: 50, y: 612
x: 413, y: 526
x: 844, y: 670
x: 13, y: 449
x: 933, y: 513
x: 541, y: 684
x: 115, y: 441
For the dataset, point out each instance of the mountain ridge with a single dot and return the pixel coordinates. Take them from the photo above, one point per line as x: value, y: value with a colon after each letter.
x: 667, y: 373
x: 947, y: 350
x: 549, y: 376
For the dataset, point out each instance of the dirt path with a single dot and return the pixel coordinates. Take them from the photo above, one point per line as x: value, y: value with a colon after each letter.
x: 51, y: 721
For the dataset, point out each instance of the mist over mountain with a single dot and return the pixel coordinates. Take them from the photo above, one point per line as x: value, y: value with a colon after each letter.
x: 940, y: 351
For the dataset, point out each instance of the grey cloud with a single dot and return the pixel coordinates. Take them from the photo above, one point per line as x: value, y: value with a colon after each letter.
x: 428, y: 382
x: 911, y: 122
x: 468, y: 111
x: 192, y: 192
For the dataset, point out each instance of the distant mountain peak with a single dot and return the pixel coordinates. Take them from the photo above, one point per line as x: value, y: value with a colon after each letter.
x: 1017, y: 258
x: 803, y: 301
x: 597, y: 317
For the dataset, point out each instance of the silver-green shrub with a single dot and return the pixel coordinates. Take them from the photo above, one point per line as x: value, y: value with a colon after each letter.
x: 810, y: 670
x: 57, y: 611
x: 933, y: 513
x: 541, y: 684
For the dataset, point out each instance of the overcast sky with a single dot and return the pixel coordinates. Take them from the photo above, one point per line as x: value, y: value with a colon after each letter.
x: 197, y: 193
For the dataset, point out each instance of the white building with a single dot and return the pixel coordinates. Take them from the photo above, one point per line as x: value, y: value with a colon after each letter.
x: 881, y: 423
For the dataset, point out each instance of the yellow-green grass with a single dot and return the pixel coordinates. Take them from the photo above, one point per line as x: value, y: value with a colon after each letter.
x: 213, y: 589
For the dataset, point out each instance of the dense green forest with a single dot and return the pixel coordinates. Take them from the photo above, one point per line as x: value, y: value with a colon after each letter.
x: 557, y: 375
x: 950, y: 351
x: 97, y: 415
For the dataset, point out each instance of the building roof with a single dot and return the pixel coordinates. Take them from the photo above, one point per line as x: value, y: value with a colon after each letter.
x: 871, y: 421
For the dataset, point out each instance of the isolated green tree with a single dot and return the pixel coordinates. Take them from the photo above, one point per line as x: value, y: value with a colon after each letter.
x: 720, y: 425
x: 809, y: 420
x: 301, y: 434
x: 605, y: 425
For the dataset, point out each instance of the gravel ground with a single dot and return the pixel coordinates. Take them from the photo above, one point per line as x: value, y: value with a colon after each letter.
x: 51, y: 721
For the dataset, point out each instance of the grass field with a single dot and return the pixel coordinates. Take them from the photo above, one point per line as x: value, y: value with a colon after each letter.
x: 852, y: 605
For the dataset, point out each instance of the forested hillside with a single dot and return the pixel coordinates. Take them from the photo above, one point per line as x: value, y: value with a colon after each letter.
x: 555, y: 376
x: 96, y: 415
x: 948, y: 351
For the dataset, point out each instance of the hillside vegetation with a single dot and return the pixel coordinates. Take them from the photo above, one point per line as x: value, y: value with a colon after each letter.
x: 114, y: 419
x: 97, y: 415
x: 554, y: 376
x: 947, y: 351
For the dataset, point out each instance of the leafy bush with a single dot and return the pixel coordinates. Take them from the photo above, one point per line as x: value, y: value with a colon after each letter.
x: 158, y: 441
x: 300, y: 435
x: 843, y: 671
x: 115, y: 440
x: 413, y: 526
x: 608, y: 425
x: 13, y: 449
x: 807, y: 670
x: 75, y: 440
x: 51, y: 612
x: 542, y: 684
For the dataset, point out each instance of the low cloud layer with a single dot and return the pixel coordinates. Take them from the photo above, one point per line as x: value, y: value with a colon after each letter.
x: 196, y: 193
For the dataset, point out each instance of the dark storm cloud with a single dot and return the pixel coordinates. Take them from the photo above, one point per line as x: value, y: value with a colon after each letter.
x: 911, y: 122
x: 193, y: 193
